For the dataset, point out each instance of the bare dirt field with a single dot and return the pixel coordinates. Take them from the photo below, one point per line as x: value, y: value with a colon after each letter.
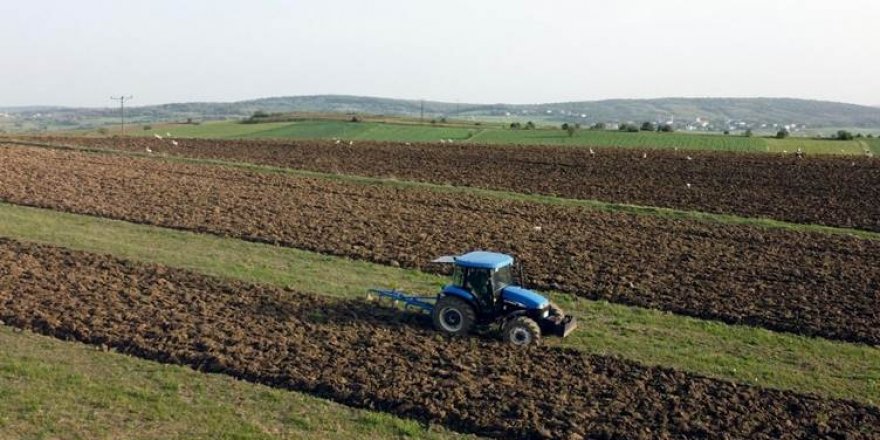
x: 807, y: 283
x: 368, y: 357
x: 825, y: 190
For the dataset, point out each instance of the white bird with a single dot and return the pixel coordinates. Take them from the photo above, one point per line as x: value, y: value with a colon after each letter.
x: 442, y: 141
x: 149, y: 150
x: 644, y: 155
x: 157, y: 136
x: 350, y: 143
x: 167, y: 134
x: 592, y: 153
x: 174, y: 143
x: 688, y: 185
x: 676, y: 148
x: 408, y: 144
x: 338, y: 142
x: 690, y: 158
x: 537, y: 228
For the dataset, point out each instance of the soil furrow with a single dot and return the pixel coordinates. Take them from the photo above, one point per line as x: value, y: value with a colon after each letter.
x: 808, y: 283
x: 355, y: 353
x: 832, y: 191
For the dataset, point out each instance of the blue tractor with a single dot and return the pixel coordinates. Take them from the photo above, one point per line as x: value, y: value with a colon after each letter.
x: 482, y: 292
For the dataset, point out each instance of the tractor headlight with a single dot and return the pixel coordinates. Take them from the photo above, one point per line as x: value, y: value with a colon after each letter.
x: 545, y: 313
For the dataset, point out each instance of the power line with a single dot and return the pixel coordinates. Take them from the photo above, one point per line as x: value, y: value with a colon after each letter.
x: 122, y: 100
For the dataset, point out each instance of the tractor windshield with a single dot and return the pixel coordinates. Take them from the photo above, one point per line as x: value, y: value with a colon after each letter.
x: 502, y: 278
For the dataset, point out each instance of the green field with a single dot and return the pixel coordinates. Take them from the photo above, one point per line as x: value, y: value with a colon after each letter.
x: 51, y: 389
x: 874, y: 145
x: 815, y: 146
x: 602, y: 138
x: 489, y: 133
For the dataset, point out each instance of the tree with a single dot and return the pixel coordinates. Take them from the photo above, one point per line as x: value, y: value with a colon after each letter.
x: 515, y: 125
x: 666, y: 128
x: 599, y: 126
x: 148, y: 127
x: 571, y: 128
x: 530, y: 125
x: 782, y: 134
x: 647, y: 126
x: 565, y: 126
x: 843, y: 135
x: 748, y: 133
x: 726, y: 132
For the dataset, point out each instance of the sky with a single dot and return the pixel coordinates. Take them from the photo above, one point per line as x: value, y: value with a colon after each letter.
x: 79, y: 53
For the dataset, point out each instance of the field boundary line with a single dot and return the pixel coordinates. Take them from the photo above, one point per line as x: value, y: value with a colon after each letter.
x: 592, y: 204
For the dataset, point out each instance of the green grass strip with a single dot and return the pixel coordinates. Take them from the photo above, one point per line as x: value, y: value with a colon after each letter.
x: 54, y: 389
x: 597, y: 205
x: 739, y: 353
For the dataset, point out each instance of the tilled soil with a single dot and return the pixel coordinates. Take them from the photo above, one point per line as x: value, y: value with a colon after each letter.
x: 355, y: 353
x: 807, y: 283
x: 833, y: 191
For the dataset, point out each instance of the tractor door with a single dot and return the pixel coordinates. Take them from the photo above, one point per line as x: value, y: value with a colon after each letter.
x: 479, y: 282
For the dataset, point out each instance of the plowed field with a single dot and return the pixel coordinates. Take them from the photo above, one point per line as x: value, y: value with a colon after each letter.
x: 359, y: 355
x: 832, y: 191
x: 813, y: 284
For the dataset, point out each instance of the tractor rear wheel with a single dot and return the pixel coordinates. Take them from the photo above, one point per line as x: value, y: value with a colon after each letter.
x: 453, y: 316
x: 522, y: 331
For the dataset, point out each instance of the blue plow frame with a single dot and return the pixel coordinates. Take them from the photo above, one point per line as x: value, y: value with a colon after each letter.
x: 423, y: 303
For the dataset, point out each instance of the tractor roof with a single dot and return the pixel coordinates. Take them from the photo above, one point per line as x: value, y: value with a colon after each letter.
x: 484, y: 260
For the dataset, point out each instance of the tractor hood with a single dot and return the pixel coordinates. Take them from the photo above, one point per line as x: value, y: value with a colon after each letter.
x: 526, y: 298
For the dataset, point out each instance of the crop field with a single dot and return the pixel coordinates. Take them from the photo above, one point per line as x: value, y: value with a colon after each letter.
x: 494, y: 133
x: 817, y: 146
x: 829, y: 191
x: 874, y: 145
x: 604, y: 138
x: 275, y: 240
x: 737, y: 274
x: 344, y: 351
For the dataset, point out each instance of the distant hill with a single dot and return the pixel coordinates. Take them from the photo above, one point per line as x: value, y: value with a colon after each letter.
x: 720, y: 111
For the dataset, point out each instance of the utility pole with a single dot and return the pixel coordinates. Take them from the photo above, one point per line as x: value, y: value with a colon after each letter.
x: 122, y: 100
x: 422, y: 112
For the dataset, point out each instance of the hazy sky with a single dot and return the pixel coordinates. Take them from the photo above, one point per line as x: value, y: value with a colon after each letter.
x: 80, y: 52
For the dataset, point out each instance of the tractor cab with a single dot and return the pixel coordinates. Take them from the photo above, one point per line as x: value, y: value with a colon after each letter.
x: 483, y: 291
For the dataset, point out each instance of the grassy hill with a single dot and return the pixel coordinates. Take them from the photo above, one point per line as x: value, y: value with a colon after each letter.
x: 720, y: 111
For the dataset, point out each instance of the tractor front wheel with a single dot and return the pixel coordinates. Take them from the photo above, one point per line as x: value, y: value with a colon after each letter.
x: 453, y: 316
x: 522, y: 331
